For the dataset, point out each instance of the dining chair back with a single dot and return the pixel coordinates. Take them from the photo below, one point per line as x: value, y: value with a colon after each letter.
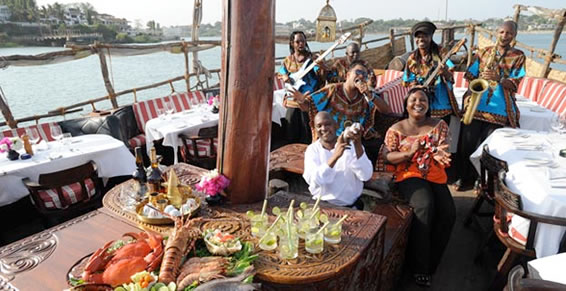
x: 200, y: 150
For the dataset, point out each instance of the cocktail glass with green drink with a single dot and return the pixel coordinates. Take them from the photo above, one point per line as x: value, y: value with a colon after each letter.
x: 289, y: 245
x: 333, y: 233
x: 258, y: 223
x: 269, y: 241
x: 314, y: 241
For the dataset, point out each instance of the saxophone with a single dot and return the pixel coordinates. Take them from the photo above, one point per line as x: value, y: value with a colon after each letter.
x: 479, y: 86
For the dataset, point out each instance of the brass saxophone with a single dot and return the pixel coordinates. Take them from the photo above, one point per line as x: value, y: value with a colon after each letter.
x: 478, y: 87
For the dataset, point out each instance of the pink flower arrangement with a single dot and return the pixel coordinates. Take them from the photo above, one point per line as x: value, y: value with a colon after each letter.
x: 212, y: 183
x: 5, y: 145
x: 213, y: 101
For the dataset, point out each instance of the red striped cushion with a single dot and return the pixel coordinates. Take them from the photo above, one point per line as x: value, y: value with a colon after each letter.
x: 531, y: 87
x: 44, y: 130
x: 553, y: 97
x: 278, y: 84
x: 203, y: 146
x: 519, y: 229
x: 71, y: 194
x: 394, y: 93
x: 148, y: 109
x: 137, y: 141
x: 459, y: 80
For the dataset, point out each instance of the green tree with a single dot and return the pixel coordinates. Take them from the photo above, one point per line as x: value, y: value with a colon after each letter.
x: 89, y: 11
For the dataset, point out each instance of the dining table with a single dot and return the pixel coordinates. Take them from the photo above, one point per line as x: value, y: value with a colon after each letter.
x: 46, y: 258
x: 111, y: 156
x: 532, y: 116
x: 549, y: 268
x: 169, y: 126
x: 537, y: 173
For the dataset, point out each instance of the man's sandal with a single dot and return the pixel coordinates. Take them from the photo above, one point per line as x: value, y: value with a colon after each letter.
x: 423, y: 280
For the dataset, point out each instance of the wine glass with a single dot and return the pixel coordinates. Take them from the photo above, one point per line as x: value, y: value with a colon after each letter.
x: 169, y: 108
x: 558, y: 122
x: 56, y: 133
x: 33, y: 135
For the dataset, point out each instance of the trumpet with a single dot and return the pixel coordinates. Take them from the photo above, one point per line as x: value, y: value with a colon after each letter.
x: 477, y: 87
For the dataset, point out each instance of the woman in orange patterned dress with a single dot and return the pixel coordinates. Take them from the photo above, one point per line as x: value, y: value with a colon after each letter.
x: 418, y: 148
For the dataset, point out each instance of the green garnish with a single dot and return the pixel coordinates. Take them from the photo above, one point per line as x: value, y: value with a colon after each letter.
x: 75, y: 282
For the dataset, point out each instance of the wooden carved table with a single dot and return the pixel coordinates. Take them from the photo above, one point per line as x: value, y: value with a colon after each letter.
x: 351, y: 265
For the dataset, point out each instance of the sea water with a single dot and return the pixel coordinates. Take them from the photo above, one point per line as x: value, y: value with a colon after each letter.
x: 39, y: 89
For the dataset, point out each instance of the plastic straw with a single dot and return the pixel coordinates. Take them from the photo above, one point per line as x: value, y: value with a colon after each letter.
x: 263, y: 208
x: 323, y: 227
x: 270, y: 228
x: 317, y: 202
x: 342, y: 219
x: 314, y: 213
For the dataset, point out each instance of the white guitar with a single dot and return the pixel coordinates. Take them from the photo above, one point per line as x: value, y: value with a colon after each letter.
x: 296, y: 79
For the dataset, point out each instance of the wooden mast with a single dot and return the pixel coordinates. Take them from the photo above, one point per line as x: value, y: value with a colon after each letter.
x: 6, y: 111
x: 107, y: 83
x: 550, y: 57
x: 248, y: 50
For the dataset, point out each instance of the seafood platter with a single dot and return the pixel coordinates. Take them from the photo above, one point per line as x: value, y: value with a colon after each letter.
x: 160, y: 208
x: 188, y: 259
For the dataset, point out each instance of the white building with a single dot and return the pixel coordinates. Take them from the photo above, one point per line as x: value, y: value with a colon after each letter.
x: 5, y: 13
x: 120, y: 23
x: 74, y: 16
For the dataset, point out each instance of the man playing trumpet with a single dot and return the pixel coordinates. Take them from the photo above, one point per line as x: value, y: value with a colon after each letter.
x: 503, y: 67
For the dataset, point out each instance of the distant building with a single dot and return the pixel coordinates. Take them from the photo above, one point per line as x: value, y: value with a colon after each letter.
x: 282, y: 29
x: 121, y: 24
x: 176, y: 32
x: 74, y: 16
x: 5, y: 13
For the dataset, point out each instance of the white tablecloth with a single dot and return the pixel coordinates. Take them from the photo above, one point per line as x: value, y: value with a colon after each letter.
x: 530, y: 179
x: 111, y: 156
x: 168, y: 128
x: 551, y: 268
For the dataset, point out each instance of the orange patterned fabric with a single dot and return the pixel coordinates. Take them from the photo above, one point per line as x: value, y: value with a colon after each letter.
x: 396, y: 141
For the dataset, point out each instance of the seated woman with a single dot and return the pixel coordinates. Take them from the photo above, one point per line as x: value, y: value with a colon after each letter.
x: 417, y: 146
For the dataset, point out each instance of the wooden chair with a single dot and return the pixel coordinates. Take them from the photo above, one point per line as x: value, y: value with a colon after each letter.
x: 507, y: 206
x: 489, y: 169
x: 518, y: 282
x: 66, y: 193
x: 200, y: 150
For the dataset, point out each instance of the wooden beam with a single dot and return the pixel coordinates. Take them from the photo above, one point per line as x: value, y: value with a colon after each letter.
x: 107, y: 83
x: 517, y: 13
x: 248, y: 49
x: 472, y: 29
x: 548, y: 59
x: 187, y: 72
x: 392, y: 41
x: 6, y: 111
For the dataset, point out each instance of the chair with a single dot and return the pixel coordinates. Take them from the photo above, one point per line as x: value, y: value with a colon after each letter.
x: 508, y: 206
x: 200, y: 150
x: 489, y: 169
x: 518, y: 282
x: 66, y: 193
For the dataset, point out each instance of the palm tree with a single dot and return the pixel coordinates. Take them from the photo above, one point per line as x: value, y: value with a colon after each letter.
x: 89, y: 12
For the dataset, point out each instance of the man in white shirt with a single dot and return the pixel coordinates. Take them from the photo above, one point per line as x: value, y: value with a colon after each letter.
x: 336, y: 167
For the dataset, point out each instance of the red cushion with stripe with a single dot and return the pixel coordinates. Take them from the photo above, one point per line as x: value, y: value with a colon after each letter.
x: 71, y: 194
x: 459, y: 80
x: 393, y: 93
x: 553, y: 97
x: 203, y: 146
x: 531, y: 87
x: 278, y: 84
x: 148, y: 109
x: 519, y: 228
x: 44, y: 130
x: 137, y: 141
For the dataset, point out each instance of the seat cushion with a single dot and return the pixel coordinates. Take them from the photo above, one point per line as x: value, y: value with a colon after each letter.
x: 531, y: 87
x: 44, y: 130
x: 459, y: 80
x: 137, y: 141
x: 387, y: 77
x: 553, y: 96
x: 203, y: 146
x: 393, y: 93
x: 519, y: 229
x: 71, y: 194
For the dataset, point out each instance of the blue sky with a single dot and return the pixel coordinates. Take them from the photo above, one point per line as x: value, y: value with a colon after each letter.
x: 179, y: 12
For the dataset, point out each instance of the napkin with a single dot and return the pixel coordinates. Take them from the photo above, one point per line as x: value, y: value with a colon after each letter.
x: 557, y: 174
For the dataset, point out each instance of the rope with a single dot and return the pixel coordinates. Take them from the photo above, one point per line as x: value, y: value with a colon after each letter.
x: 172, y: 88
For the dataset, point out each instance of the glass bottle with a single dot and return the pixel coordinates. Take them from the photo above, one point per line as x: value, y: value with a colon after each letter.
x: 154, y: 174
x: 139, y: 175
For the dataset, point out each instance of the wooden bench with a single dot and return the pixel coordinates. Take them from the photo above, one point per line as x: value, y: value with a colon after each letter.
x: 290, y: 159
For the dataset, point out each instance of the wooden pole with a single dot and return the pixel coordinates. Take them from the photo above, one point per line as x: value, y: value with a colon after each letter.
x: 107, y: 83
x: 248, y: 49
x: 187, y: 74
x: 197, y: 14
x: 517, y: 14
x: 412, y: 38
x: 6, y: 111
x: 471, y: 46
x: 392, y: 40
x: 548, y: 59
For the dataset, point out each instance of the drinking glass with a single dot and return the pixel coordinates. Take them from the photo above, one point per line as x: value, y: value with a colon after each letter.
x: 161, y: 113
x: 33, y: 135
x: 269, y: 243
x: 56, y: 133
x: 169, y: 108
x: 259, y: 224
x: 289, y: 245
x: 314, y: 241
x: 304, y: 225
x: 333, y: 232
x: 66, y: 138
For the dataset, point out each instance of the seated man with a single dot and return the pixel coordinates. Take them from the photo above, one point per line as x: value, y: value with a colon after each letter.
x: 334, y: 167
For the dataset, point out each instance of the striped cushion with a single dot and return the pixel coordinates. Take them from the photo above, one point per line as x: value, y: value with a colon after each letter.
x: 459, y: 80
x: 278, y: 84
x: 388, y: 76
x: 44, y: 130
x: 146, y: 110
x: 393, y: 93
x: 531, y: 87
x: 137, y: 141
x: 71, y: 194
x: 203, y: 146
x: 519, y: 229
x: 553, y: 97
